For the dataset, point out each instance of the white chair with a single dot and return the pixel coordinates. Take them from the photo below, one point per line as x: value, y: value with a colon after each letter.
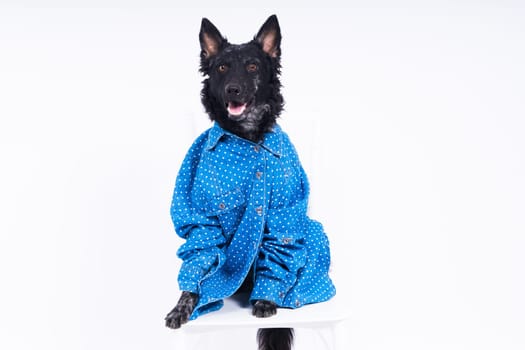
x: 235, y: 320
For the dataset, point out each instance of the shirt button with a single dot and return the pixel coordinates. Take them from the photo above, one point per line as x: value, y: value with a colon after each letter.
x: 222, y: 206
x: 256, y: 148
x: 259, y: 210
x: 258, y: 175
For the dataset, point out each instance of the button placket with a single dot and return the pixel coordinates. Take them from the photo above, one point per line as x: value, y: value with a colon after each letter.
x: 258, y: 186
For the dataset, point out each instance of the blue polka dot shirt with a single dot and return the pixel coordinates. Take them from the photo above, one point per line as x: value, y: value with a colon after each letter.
x: 241, y: 205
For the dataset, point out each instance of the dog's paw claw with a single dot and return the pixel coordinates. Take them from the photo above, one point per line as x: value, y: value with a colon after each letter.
x: 175, y: 319
x: 264, y: 308
x: 181, y: 313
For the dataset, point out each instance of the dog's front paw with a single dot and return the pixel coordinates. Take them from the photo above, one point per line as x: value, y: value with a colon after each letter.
x: 182, y: 312
x: 264, y: 308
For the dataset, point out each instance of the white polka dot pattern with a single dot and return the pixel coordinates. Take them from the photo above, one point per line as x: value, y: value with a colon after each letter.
x: 243, y: 206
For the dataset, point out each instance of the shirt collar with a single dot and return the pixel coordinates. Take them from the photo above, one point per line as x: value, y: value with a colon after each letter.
x: 272, y: 141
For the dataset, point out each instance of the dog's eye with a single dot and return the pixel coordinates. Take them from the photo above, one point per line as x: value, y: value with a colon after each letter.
x: 252, y: 67
x: 222, y: 68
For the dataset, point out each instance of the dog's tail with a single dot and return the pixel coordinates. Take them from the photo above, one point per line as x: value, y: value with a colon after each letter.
x: 275, y: 338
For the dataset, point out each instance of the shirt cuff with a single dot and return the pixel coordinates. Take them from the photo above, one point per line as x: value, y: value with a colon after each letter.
x: 270, y: 290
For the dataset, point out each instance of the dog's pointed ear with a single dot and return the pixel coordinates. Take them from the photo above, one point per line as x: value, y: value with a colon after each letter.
x: 210, y: 38
x: 269, y: 37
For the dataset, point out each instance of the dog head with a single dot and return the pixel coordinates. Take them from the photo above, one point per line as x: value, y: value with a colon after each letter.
x: 242, y: 88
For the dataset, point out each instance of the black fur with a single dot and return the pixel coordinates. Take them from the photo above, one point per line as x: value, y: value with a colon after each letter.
x: 181, y: 313
x: 241, y: 93
x: 275, y: 338
x: 264, y: 308
x: 260, y: 89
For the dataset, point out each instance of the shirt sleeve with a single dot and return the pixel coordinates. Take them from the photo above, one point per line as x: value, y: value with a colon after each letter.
x: 202, y: 253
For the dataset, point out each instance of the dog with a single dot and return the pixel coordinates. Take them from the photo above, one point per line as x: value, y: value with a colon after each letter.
x: 241, y: 195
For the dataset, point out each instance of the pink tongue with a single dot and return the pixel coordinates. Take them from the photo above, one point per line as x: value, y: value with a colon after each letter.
x: 235, y: 109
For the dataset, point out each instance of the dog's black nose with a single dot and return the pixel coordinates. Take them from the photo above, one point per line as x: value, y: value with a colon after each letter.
x: 233, y: 89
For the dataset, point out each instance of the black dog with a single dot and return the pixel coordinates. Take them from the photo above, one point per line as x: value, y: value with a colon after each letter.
x: 242, y: 95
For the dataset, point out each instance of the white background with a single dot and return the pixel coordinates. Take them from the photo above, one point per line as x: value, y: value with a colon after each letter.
x: 409, y: 118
